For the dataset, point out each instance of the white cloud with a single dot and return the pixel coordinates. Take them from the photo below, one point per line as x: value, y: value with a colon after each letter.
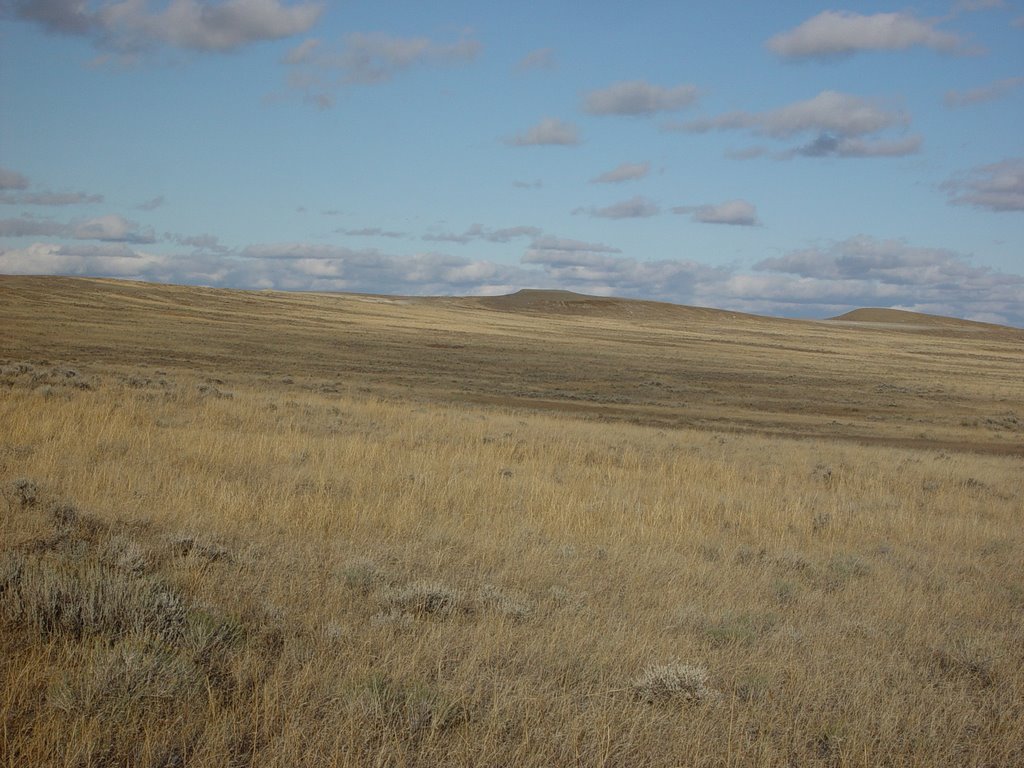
x: 826, y: 145
x: 828, y: 112
x: 303, y: 51
x: 479, y: 232
x: 596, y: 272
x: 111, y: 228
x: 864, y: 258
x: 104, y: 261
x: 376, y: 58
x: 548, y: 132
x: 132, y: 26
x: 12, y: 179
x: 557, y: 259
x: 985, y: 93
x: 979, y: 5
x: 29, y: 226
x: 837, y: 33
x: 298, y: 250
x: 510, y: 233
x: 840, y: 122
x: 817, y: 282
x: 152, y: 204
x: 820, y: 281
x: 335, y: 268
x: 637, y: 207
x: 68, y: 17
x: 996, y: 187
x: 637, y: 97
x: 371, y: 232
x: 732, y: 212
x: 540, y: 59
x: 864, y: 271
x: 204, y: 242
x: 317, y: 70
x: 747, y: 153
x: 551, y: 244
x: 50, y: 198
x: 623, y: 172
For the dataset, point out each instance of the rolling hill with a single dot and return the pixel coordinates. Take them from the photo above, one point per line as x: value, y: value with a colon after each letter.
x: 645, y: 362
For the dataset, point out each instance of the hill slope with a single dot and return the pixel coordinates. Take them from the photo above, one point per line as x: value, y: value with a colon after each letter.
x: 899, y: 318
x: 570, y: 303
x: 642, y: 362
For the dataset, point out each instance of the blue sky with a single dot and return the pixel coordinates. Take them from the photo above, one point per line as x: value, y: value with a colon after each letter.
x: 787, y: 158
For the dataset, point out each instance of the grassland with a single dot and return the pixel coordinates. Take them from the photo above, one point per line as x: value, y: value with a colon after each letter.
x: 259, y: 529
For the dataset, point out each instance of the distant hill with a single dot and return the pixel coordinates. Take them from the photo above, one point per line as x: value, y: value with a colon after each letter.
x: 900, y: 318
x: 554, y: 302
x: 853, y: 378
x: 537, y: 301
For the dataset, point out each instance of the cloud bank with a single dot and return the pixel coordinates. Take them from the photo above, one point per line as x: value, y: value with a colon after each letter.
x: 639, y: 98
x: 14, y: 190
x: 623, y: 172
x: 12, y: 179
x: 548, y: 132
x: 996, y: 187
x: 111, y: 228
x: 864, y: 271
x: 842, y: 125
x: 317, y: 70
x: 733, y: 212
x: 376, y: 58
x: 828, y: 112
x: 637, y: 207
x: 133, y: 26
x: 820, y: 281
x: 49, y: 198
x: 371, y: 232
x: 479, y: 232
x: 841, y: 33
x: 991, y: 92
x: 828, y: 145
x: 540, y: 59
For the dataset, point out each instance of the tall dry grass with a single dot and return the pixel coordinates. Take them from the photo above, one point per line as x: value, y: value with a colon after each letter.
x: 191, y: 576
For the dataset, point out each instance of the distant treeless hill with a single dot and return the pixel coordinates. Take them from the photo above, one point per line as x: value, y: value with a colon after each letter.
x: 555, y: 302
x: 570, y: 303
x: 532, y: 301
x: 902, y: 317
x: 957, y: 387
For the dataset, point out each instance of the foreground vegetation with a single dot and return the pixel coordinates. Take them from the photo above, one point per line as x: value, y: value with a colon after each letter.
x: 192, y: 576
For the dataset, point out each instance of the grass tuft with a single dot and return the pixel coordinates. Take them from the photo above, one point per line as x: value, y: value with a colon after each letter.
x: 674, y: 682
x: 427, y: 598
x: 26, y: 492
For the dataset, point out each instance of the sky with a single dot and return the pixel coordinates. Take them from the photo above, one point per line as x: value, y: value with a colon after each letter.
x: 787, y: 158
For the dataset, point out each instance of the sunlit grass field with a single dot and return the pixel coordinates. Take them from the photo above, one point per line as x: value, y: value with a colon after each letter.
x: 236, y: 566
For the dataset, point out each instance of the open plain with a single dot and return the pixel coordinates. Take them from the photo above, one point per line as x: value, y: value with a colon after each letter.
x: 272, y: 529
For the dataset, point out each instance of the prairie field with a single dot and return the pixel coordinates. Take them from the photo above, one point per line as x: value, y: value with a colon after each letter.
x: 269, y: 529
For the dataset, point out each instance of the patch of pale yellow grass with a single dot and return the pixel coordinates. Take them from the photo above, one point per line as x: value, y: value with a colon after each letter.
x: 196, y: 576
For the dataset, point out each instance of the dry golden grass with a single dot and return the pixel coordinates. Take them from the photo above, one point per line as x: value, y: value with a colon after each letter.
x: 951, y: 385
x: 212, y: 566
